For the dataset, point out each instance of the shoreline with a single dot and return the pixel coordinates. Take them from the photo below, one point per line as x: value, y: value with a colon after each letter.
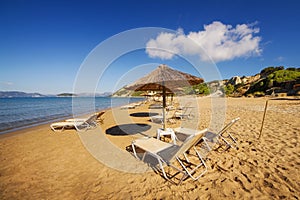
x: 47, y: 123
x: 43, y: 124
x: 37, y: 163
x: 32, y: 125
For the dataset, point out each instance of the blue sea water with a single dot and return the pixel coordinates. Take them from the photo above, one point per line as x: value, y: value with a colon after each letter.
x: 18, y: 113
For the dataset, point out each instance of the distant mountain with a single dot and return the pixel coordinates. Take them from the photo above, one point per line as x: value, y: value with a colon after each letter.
x: 122, y: 93
x: 104, y: 94
x: 12, y: 94
x: 66, y: 95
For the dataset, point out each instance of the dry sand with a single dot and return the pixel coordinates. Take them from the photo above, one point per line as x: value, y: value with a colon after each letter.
x: 38, y: 163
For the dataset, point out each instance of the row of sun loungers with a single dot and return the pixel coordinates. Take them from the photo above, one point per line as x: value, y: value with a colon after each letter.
x: 178, y: 157
x: 131, y: 106
x: 172, y: 115
x: 183, y: 156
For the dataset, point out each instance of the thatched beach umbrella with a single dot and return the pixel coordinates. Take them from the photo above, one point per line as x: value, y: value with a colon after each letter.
x: 164, y: 79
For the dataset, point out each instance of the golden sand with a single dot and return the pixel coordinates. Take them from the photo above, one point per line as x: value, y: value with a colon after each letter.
x: 38, y: 163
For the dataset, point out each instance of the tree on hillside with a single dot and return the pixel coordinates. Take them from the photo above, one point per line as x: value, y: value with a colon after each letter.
x: 229, y: 89
x: 202, y: 89
x: 269, y: 70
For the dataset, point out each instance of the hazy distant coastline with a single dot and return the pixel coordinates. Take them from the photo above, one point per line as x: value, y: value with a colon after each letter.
x: 17, y: 94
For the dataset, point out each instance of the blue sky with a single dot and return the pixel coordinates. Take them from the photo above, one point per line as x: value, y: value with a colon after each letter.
x: 44, y: 43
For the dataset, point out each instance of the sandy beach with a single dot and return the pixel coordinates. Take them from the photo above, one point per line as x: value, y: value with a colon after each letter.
x: 37, y: 163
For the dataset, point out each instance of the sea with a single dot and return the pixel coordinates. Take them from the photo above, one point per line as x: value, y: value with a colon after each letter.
x: 18, y: 113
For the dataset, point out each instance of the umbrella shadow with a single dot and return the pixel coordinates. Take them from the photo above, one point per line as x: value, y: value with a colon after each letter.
x: 128, y: 129
x: 143, y: 114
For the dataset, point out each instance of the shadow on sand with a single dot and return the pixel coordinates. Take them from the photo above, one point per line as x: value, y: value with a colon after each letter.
x: 128, y: 129
x: 143, y: 114
x: 287, y: 99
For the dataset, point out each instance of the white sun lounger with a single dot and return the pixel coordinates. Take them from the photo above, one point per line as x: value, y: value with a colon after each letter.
x: 79, y: 125
x: 223, y: 137
x: 98, y: 117
x: 128, y: 107
x: 168, y: 154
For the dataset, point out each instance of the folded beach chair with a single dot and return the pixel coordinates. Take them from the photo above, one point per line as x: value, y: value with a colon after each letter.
x: 167, y: 154
x: 78, y: 124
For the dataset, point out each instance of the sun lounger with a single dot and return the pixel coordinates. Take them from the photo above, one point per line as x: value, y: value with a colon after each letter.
x: 128, y: 106
x: 98, y: 118
x: 168, y: 154
x: 159, y: 118
x: 78, y: 124
x: 185, y: 113
x: 223, y: 137
x: 182, y: 133
x: 138, y: 104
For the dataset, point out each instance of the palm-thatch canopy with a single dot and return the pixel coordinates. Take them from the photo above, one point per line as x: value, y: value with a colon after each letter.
x: 164, y: 77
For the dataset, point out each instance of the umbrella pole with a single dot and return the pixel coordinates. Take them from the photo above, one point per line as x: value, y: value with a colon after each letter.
x: 164, y: 108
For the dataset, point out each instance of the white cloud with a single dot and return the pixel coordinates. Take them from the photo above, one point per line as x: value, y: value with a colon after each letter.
x: 279, y: 58
x: 217, y: 41
x: 7, y: 83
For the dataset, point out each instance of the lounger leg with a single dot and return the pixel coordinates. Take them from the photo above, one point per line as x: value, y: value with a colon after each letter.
x: 186, y: 170
x: 55, y: 130
x: 233, y: 139
x: 227, y: 143
x: 190, y: 173
x: 144, y: 155
x: 174, y: 138
x: 186, y: 157
x: 203, y: 162
x: 134, y: 152
x: 162, y: 168
x: 205, y: 141
x: 158, y: 135
x: 133, y: 148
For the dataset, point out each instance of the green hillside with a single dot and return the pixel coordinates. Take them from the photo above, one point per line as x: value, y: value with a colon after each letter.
x: 281, y: 80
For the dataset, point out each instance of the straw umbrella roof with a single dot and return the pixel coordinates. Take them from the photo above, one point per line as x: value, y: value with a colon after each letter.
x: 164, y: 77
x: 146, y: 94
